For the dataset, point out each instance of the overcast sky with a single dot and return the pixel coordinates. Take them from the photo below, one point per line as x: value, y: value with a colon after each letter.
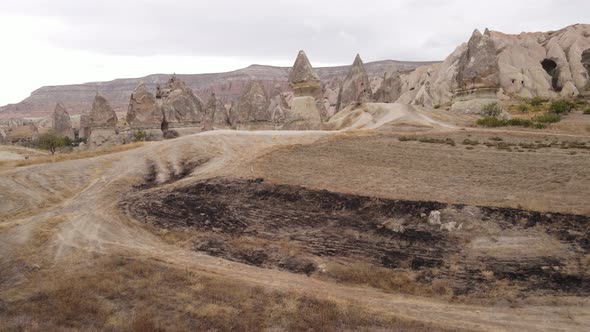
x: 51, y: 42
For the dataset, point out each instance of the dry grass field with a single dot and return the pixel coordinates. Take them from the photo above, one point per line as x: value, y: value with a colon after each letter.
x: 299, y: 231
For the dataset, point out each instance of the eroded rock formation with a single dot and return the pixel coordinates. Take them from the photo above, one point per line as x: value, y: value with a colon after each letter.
x: 143, y: 112
x: 179, y: 105
x: 102, y: 114
x: 210, y: 110
x: 61, y: 123
x: 356, y: 87
x: 103, y: 124
x: 496, y: 65
x: 253, y: 107
x: 305, y: 83
x: 390, y: 88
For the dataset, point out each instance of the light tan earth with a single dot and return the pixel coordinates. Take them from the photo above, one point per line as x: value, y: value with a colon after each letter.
x: 57, y: 218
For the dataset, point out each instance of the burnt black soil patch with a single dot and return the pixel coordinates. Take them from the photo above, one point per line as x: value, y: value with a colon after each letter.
x: 291, y: 227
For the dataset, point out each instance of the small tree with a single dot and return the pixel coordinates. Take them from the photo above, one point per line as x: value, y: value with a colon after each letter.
x: 50, y: 141
x: 492, y: 109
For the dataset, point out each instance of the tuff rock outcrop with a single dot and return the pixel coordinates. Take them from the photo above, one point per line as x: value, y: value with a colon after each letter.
x: 305, y: 83
x: 210, y: 109
x: 303, y: 80
x: 356, y: 88
x: 180, y: 107
x: 252, y: 107
x: 61, y: 123
x: 495, y: 66
x: 221, y: 117
x: 102, y: 124
x: 84, y: 126
x: 143, y: 112
x: 390, y: 87
x: 278, y: 106
x: 102, y: 114
x: 478, y: 66
x: 330, y: 97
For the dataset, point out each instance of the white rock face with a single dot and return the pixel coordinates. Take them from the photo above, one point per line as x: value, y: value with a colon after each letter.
x: 304, y: 115
x: 545, y: 64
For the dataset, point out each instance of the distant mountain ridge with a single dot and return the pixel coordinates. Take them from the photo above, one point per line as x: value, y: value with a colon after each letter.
x: 228, y: 86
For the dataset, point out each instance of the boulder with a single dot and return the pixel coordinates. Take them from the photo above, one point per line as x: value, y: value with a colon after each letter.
x: 143, y: 112
x: 356, y: 88
x: 61, y: 123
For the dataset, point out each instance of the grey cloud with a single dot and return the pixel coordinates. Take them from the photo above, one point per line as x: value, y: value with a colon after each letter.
x: 330, y: 31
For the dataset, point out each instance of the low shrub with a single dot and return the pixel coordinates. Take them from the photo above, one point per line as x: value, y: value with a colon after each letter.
x: 587, y: 111
x: 547, y: 118
x: 536, y: 102
x: 523, y: 108
x: 138, y: 135
x: 491, y: 122
x: 491, y: 110
x: 561, y: 106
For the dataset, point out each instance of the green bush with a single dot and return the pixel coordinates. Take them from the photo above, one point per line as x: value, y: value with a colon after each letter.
x: 139, y: 135
x: 523, y: 108
x: 547, y: 118
x: 536, y: 102
x: 561, y: 106
x: 492, y: 110
x: 520, y: 122
x: 587, y: 111
x: 491, y: 122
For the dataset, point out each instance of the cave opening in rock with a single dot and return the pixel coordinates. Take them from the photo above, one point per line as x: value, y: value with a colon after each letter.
x: 550, y: 67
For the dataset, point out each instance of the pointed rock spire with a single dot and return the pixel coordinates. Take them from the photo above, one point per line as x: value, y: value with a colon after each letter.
x: 303, y: 80
x: 356, y: 87
x: 102, y: 114
x: 62, y: 124
x: 143, y: 112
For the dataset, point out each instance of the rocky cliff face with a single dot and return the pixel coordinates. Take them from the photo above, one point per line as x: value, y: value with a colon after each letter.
x: 491, y: 65
x: 228, y: 87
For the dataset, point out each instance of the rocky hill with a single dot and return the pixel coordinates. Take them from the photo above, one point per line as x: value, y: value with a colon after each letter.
x: 227, y: 86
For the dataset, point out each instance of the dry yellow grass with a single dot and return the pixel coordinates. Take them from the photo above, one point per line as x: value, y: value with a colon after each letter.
x: 135, y: 294
x: 68, y: 156
x: 360, y: 273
